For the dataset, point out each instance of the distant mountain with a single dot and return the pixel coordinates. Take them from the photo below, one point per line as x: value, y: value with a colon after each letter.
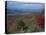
x: 20, y: 12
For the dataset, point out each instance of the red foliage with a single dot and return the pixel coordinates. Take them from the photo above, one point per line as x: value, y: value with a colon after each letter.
x: 39, y: 20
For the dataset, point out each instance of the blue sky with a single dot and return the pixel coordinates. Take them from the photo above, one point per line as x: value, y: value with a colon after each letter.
x: 24, y: 6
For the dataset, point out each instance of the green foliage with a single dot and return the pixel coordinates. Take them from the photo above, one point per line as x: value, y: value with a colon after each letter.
x: 20, y: 23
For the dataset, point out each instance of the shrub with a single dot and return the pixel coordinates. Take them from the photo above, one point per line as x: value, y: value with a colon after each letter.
x: 39, y: 20
x: 21, y: 23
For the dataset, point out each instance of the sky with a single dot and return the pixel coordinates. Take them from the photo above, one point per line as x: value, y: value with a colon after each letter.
x: 24, y: 6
